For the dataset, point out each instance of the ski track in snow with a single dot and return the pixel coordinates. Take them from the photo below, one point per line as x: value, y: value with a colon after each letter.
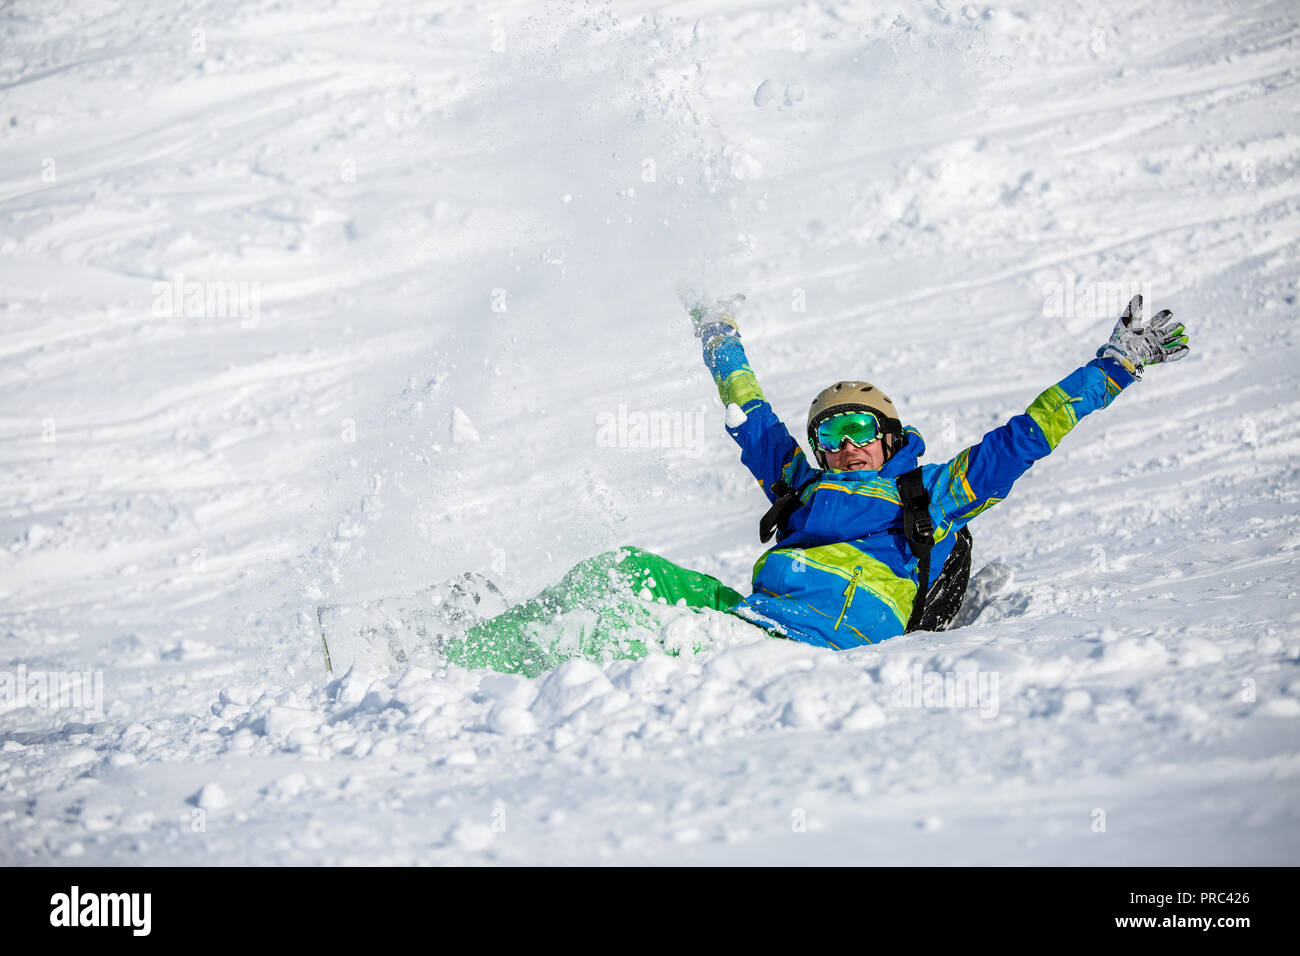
x: 180, y: 491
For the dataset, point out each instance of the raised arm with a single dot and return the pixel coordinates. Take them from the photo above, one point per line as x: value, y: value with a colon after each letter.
x: 766, y: 447
x: 982, y: 475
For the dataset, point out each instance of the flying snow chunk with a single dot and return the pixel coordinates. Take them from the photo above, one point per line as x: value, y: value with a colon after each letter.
x: 690, y: 294
x: 735, y: 416
x: 462, y: 429
x: 210, y: 797
x: 765, y: 93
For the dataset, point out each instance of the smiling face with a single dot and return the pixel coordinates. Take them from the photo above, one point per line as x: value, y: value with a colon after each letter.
x: 851, y: 457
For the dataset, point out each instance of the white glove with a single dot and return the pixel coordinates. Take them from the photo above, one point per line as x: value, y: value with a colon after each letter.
x: 1136, y: 347
x: 711, y: 319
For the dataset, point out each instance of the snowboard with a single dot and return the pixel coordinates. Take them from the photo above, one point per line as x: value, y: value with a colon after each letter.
x: 392, y: 633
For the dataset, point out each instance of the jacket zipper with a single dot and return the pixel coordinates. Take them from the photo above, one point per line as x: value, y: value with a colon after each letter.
x: 848, y: 596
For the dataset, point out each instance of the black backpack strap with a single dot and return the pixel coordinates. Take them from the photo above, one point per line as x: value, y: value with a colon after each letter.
x: 786, y: 504
x: 947, y: 593
x: 919, y: 532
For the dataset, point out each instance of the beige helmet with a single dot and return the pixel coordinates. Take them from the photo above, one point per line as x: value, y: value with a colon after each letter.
x: 853, y: 397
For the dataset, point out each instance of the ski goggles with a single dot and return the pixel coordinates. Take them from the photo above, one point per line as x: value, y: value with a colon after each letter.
x: 861, y: 428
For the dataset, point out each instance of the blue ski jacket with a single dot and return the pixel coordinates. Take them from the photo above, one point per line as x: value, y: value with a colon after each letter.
x: 843, y: 576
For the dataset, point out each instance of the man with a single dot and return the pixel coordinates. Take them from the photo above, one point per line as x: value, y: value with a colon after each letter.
x: 843, y: 572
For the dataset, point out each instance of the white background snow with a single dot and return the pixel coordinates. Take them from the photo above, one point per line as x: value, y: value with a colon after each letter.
x: 459, y: 226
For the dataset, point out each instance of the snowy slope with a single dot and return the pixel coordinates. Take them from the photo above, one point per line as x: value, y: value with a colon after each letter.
x: 484, y: 207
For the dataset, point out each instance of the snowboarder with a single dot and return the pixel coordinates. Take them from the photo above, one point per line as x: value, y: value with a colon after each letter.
x: 857, y: 529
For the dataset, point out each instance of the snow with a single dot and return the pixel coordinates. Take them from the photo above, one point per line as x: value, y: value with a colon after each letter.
x: 437, y: 247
